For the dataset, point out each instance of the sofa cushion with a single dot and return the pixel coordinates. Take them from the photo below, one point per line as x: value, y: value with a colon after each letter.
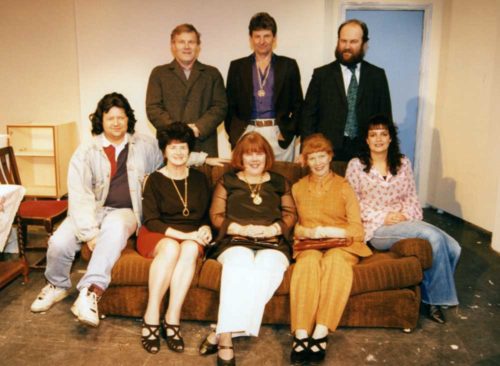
x: 382, y: 271
x: 131, y: 269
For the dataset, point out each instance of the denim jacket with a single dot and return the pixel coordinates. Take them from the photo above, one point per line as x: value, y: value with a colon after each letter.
x: 89, y: 180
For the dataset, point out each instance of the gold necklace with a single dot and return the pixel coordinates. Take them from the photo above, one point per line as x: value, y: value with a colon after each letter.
x: 184, y: 201
x: 255, y: 191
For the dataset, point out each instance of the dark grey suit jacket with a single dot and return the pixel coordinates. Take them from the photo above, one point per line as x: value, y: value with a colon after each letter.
x: 201, y: 100
x: 325, y: 106
x: 287, y: 97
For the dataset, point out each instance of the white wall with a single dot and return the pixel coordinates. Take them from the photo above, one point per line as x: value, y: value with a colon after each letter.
x: 464, y: 169
x: 61, y: 56
x: 58, y: 57
x: 119, y: 45
x: 38, y: 62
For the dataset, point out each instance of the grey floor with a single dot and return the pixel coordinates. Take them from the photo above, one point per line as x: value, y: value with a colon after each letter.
x: 470, y: 337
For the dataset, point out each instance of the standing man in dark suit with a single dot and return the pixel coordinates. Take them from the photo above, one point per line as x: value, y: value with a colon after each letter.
x: 188, y: 91
x: 345, y: 93
x: 264, y: 92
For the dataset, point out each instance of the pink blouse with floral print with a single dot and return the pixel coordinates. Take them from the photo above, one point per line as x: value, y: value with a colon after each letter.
x: 378, y: 196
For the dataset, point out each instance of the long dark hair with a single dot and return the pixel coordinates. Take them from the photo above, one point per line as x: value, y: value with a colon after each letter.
x: 394, y: 155
x: 105, y: 104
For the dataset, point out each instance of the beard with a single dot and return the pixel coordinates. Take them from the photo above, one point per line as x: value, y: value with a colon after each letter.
x: 354, y: 58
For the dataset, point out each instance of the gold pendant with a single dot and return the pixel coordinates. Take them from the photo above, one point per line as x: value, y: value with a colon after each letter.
x: 252, y: 194
x: 185, y: 212
x: 257, y: 200
x: 261, y: 93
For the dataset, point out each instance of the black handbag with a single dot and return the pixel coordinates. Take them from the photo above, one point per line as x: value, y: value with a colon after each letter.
x: 256, y: 243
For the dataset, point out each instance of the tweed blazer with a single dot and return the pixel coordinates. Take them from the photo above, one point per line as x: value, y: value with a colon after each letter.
x: 325, y: 105
x: 201, y: 100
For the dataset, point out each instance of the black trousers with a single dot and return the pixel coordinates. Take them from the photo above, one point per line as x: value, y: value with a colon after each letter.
x: 347, y: 151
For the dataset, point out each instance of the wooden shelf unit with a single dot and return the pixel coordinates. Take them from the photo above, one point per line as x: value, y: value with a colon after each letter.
x: 43, y: 151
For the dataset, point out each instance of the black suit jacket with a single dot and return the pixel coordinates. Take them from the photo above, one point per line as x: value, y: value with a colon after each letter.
x: 325, y: 106
x: 287, y: 97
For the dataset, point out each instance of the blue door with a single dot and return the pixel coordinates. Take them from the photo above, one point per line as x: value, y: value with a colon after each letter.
x: 395, y: 45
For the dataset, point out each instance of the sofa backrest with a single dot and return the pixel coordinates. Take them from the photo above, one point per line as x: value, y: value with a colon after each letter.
x: 291, y: 171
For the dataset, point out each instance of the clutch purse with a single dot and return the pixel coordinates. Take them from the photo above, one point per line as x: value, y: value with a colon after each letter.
x: 321, y: 244
x: 272, y: 242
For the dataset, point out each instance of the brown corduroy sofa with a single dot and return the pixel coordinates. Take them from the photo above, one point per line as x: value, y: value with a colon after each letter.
x: 385, y: 292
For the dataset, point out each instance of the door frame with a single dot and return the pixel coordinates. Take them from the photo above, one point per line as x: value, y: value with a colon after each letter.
x: 335, y: 14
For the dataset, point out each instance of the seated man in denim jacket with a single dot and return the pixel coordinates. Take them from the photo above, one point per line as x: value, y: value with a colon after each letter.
x: 104, y: 187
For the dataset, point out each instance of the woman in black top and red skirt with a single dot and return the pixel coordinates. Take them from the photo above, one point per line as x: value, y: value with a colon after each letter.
x: 175, y: 231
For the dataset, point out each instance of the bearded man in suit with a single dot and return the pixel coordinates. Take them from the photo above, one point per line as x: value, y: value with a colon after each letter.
x: 342, y: 95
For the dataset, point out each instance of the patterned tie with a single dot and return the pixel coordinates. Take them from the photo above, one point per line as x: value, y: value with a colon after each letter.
x: 110, y: 153
x: 351, y: 126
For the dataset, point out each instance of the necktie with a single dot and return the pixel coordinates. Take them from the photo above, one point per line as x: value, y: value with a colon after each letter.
x: 351, y: 126
x: 110, y: 153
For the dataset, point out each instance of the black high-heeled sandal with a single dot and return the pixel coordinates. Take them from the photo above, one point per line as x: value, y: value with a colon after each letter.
x: 151, y: 341
x: 317, y: 356
x: 299, y: 356
x: 207, y: 348
x: 221, y: 361
x: 175, y: 341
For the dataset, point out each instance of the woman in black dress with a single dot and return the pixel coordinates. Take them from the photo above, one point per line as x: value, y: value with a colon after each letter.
x: 254, y: 212
x: 174, y: 233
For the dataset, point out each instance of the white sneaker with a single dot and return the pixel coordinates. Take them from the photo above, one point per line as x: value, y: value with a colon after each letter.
x: 49, y: 295
x: 85, y: 308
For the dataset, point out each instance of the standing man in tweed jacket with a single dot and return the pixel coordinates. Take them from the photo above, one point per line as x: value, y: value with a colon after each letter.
x: 188, y: 91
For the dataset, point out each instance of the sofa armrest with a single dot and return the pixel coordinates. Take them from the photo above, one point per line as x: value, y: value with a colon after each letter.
x: 415, y: 247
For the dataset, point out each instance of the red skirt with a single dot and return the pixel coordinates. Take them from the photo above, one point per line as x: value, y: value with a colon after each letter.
x: 148, y: 240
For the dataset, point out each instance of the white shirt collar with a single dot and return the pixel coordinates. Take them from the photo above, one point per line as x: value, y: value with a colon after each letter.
x: 346, y: 74
x: 118, y: 147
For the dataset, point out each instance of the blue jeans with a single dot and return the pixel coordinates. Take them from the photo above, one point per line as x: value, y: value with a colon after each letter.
x: 117, y: 225
x: 438, y: 285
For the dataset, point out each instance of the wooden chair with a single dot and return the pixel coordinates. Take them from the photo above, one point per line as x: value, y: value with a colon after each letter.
x: 44, y: 213
x: 10, y: 269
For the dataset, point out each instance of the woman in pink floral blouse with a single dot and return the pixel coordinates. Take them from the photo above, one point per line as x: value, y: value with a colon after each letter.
x: 383, y: 181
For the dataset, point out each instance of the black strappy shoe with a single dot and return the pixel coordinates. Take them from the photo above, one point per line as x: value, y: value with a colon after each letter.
x: 175, y: 341
x: 222, y: 362
x: 317, y: 356
x: 207, y: 348
x: 296, y: 356
x: 151, y: 341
